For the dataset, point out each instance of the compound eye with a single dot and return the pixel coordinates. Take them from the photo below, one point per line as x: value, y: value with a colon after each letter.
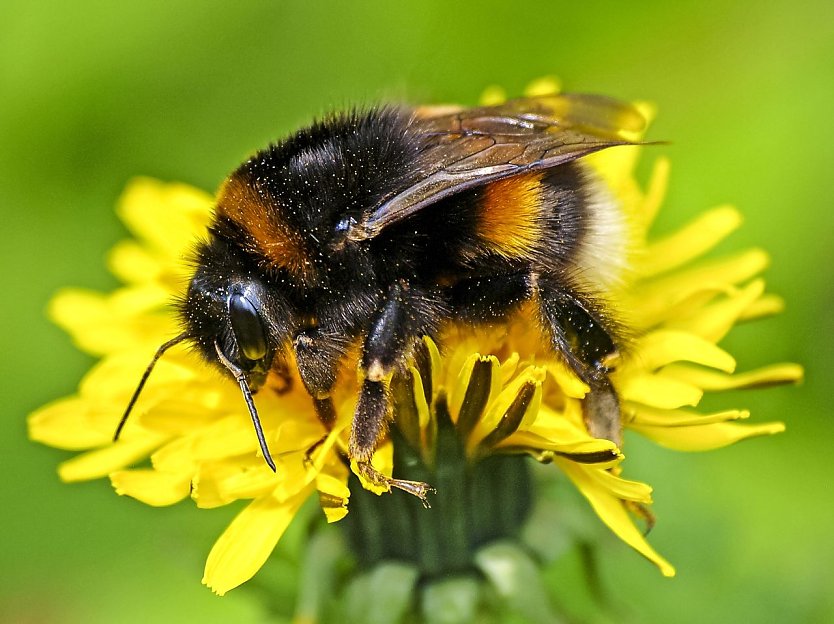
x: 247, y: 327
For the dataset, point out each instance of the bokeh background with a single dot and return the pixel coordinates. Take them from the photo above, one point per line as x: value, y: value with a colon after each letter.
x: 93, y: 93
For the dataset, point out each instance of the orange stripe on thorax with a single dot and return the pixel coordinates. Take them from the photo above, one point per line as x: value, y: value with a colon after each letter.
x: 267, y: 234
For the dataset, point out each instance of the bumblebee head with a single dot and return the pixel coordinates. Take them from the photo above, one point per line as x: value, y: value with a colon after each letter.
x: 231, y: 317
x: 233, y: 320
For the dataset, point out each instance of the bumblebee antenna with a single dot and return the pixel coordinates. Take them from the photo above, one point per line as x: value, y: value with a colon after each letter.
x: 159, y: 353
x: 240, y: 378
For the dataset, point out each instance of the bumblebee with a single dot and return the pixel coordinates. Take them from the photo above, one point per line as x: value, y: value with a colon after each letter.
x: 374, y: 228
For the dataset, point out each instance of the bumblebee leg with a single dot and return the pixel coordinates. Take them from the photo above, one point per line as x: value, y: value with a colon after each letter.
x: 407, y: 314
x: 369, y: 427
x: 601, y: 408
x: 317, y: 357
x: 326, y: 413
x: 582, y: 335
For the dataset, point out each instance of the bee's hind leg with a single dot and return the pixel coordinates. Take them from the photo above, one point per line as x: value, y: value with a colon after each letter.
x: 408, y: 313
x: 582, y: 334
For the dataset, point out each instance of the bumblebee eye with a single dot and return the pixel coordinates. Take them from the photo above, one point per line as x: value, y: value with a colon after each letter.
x: 247, y: 327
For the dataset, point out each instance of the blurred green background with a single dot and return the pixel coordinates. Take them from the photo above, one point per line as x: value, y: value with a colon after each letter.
x: 93, y: 93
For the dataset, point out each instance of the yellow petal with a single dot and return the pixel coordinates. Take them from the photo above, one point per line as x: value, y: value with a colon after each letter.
x: 662, y: 347
x: 693, y: 304
x: 615, y: 166
x: 184, y: 413
x: 132, y: 263
x: 102, y: 462
x: 690, y: 242
x: 711, y: 380
x: 336, y: 441
x: 650, y: 313
x: 568, y: 382
x: 546, y: 85
x: 611, y: 511
x: 69, y: 424
x: 114, y: 378
x: 589, y: 451
x: 558, y: 426
x: 644, y: 415
x: 227, y: 437
x: 333, y: 496
x: 766, y: 305
x: 492, y: 96
x: 167, y: 217
x: 435, y: 364
x: 647, y: 109
x: 296, y: 434
x: 420, y: 404
x: 617, y: 486
x: 715, y: 320
x: 235, y: 437
x: 100, y: 324
x: 706, y: 437
x: 295, y: 472
x: 223, y: 481
x: 656, y: 191
x: 151, y: 486
x: 508, y: 368
x: 659, y: 391
x: 729, y: 271
x: 249, y: 541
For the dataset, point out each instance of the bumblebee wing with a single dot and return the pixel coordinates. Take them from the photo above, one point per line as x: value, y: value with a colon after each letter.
x: 464, y: 148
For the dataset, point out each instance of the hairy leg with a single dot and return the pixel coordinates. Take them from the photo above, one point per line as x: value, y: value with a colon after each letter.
x: 581, y: 333
x: 407, y: 314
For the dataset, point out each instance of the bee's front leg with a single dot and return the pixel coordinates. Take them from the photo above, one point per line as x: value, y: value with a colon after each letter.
x: 408, y: 313
x: 317, y: 355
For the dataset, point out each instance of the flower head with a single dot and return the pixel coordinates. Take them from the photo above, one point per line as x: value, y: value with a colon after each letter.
x: 486, y: 396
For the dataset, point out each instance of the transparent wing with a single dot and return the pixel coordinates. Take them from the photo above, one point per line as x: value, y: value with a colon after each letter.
x: 463, y: 148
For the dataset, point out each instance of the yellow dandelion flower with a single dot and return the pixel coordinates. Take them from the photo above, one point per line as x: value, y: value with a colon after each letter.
x: 467, y: 418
